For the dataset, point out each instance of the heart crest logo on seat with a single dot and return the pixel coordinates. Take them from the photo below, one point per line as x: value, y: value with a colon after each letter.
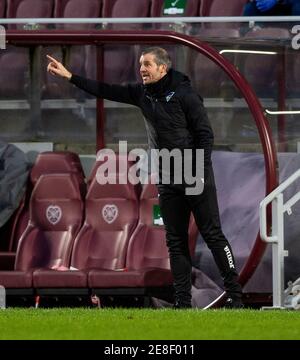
x: 53, y: 214
x: 110, y: 213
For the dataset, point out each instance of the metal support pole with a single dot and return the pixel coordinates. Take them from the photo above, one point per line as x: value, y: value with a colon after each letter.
x: 100, y: 141
x: 278, y: 252
x: 2, y: 297
x: 35, y: 91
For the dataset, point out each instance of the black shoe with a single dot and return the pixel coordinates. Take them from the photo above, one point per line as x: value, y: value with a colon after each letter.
x: 233, y: 303
x: 181, y: 305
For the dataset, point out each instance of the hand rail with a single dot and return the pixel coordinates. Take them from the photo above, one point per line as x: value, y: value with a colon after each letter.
x: 154, y: 20
x: 277, y: 238
x: 268, y: 199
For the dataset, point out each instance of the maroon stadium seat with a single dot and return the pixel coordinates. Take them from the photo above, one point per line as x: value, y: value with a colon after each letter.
x: 126, y: 9
x: 97, y: 163
x: 16, y: 61
x: 29, y: 8
x: 116, y: 69
x: 218, y: 8
x: 56, y: 214
x: 209, y: 79
x: 56, y: 162
x: 111, y: 217
x: 261, y: 71
x: 293, y: 74
x: 2, y: 8
x: 77, y: 9
x: 60, y: 162
x: 75, y: 56
x: 147, y: 261
x: 192, y: 9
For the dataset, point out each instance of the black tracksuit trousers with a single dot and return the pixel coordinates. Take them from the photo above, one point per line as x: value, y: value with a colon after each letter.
x: 176, y: 208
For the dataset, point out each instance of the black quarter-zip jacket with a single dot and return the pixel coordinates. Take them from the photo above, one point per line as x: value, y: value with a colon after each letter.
x: 174, y: 113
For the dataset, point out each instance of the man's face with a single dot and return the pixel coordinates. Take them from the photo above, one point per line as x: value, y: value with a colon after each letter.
x: 149, y: 70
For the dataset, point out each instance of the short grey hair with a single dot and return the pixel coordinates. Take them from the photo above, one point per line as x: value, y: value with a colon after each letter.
x: 161, y: 56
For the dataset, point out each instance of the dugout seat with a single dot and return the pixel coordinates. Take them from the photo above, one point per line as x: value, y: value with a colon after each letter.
x: 262, y: 71
x: 192, y: 8
x: 74, y: 57
x: 29, y: 9
x: 115, y: 69
x: 119, y: 168
x: 147, y: 270
x: 219, y: 8
x: 208, y: 78
x: 16, y: 60
x: 111, y: 214
x: 77, y: 9
x: 59, y: 162
x: 2, y: 8
x: 56, y: 215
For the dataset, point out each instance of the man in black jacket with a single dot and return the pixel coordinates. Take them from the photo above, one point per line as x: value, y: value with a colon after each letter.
x: 175, y: 119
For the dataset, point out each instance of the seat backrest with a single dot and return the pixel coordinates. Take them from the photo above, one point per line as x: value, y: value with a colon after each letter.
x: 57, y: 162
x: 219, y: 8
x: 2, y: 8
x: 29, y: 8
x: 192, y: 8
x: 126, y: 8
x: 60, y: 162
x: 261, y: 71
x: 114, y: 55
x: 74, y: 56
x: 147, y: 246
x: 293, y: 74
x: 77, y: 9
x: 111, y: 217
x: 119, y: 158
x: 55, y: 217
x: 209, y: 79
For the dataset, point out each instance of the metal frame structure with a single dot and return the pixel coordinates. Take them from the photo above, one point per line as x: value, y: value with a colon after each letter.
x: 98, y: 38
x: 153, y: 20
x: 275, y: 198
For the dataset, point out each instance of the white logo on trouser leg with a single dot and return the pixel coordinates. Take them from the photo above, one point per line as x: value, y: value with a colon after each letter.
x: 229, y: 257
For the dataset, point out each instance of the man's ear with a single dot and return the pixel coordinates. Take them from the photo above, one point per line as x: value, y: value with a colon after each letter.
x: 164, y: 67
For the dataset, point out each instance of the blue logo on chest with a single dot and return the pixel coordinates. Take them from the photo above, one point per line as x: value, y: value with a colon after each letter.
x: 168, y: 97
